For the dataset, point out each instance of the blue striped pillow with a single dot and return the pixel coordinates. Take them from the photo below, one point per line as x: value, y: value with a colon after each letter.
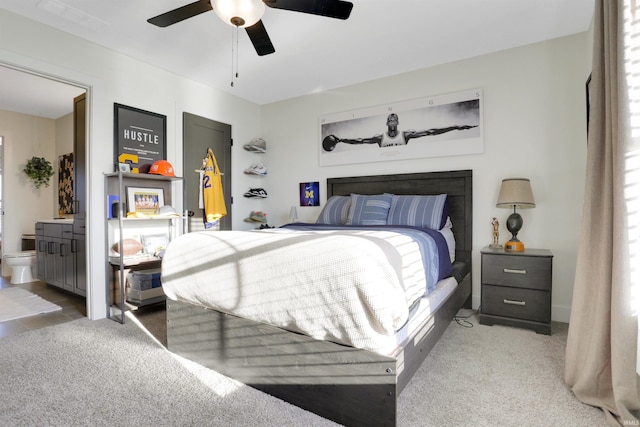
x: 369, y: 210
x: 419, y: 211
x: 335, y: 211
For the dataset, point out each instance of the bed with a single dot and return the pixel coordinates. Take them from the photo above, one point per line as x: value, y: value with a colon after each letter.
x: 338, y: 376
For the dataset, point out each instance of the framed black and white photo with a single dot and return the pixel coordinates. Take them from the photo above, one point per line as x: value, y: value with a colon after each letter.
x: 444, y: 125
x: 145, y: 200
x: 140, y: 136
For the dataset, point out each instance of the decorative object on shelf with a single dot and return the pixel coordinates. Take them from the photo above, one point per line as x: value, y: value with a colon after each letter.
x: 257, y: 145
x: 496, y: 233
x: 256, y: 193
x: 168, y: 212
x: 144, y: 199
x: 310, y: 193
x: 139, y: 136
x: 113, y: 206
x: 124, y: 167
x: 129, y: 247
x: 257, y: 216
x: 162, y: 167
x: 65, y: 184
x: 515, y: 192
x: 256, y: 169
x: 155, y: 244
x: 39, y: 170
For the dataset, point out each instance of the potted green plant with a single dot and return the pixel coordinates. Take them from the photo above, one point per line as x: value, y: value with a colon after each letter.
x: 39, y: 170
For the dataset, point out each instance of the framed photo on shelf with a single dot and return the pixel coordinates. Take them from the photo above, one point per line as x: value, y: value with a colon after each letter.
x: 146, y: 200
x: 139, y: 136
x: 155, y: 244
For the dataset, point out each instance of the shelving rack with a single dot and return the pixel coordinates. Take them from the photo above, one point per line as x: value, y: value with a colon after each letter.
x: 116, y: 183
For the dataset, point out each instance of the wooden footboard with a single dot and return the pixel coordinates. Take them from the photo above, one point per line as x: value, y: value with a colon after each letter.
x: 350, y: 386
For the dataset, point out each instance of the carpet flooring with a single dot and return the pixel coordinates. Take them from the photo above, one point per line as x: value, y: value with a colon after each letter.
x: 99, y: 373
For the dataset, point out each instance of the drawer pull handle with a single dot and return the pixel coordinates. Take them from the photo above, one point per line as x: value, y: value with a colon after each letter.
x: 512, y: 302
x: 509, y: 270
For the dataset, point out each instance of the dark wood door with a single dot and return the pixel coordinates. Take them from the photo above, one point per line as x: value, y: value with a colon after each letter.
x: 200, y: 134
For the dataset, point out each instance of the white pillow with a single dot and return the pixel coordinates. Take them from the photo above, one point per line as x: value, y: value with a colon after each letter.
x: 448, y: 236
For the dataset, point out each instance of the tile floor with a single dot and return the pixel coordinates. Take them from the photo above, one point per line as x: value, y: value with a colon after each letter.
x: 73, y: 307
x: 152, y: 318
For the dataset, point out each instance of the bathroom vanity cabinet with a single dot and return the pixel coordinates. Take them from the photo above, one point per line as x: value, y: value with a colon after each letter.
x: 56, y: 255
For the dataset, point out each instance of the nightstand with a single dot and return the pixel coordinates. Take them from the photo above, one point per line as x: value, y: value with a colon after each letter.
x: 516, y: 288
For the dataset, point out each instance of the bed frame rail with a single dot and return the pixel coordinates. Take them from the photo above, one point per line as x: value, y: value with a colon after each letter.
x: 329, y: 379
x: 350, y: 386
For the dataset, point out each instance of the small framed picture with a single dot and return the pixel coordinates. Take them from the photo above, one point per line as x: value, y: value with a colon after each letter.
x: 145, y: 200
x: 124, y: 167
x: 155, y: 244
x: 310, y: 193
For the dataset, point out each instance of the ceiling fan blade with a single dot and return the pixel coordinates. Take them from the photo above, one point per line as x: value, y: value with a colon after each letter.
x: 181, y: 13
x: 260, y: 39
x: 331, y: 8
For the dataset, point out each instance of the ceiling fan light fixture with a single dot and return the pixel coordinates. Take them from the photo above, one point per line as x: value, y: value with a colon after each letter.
x: 239, y: 13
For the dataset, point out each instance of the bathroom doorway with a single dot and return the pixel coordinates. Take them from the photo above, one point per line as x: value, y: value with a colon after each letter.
x: 35, y: 120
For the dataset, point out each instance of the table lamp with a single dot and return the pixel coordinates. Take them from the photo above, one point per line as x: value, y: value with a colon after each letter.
x: 293, y: 214
x: 515, y: 192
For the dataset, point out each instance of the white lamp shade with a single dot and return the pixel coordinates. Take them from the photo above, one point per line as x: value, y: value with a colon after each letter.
x: 249, y: 10
x: 516, y: 192
x: 293, y: 214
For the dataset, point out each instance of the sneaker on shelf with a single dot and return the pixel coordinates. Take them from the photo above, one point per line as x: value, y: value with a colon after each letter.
x: 257, y: 145
x: 256, y: 169
x: 264, y: 226
x: 256, y: 193
x: 260, y: 217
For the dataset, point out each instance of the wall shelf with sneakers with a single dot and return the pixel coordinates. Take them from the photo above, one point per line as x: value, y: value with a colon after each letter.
x: 136, y: 237
x: 257, y: 145
x: 257, y: 169
x: 256, y: 193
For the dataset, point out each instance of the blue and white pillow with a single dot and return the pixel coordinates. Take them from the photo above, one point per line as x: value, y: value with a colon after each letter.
x: 419, y: 211
x: 335, y: 211
x: 369, y: 210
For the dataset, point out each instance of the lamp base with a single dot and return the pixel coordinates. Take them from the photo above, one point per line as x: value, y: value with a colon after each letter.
x: 514, y: 246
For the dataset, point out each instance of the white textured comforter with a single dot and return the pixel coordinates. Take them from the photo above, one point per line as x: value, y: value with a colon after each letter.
x: 350, y: 287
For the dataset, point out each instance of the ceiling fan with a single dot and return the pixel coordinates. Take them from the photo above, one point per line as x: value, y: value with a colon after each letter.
x: 247, y: 14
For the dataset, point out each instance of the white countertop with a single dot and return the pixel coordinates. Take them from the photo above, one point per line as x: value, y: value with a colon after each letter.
x: 57, y: 221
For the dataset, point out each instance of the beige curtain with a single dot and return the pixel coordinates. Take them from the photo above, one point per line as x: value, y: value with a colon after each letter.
x: 603, y: 330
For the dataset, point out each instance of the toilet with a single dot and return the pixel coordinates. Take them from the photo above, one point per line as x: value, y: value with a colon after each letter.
x: 21, y: 264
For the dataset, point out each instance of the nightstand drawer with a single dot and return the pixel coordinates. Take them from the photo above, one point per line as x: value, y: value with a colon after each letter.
x: 517, y: 271
x: 527, y: 304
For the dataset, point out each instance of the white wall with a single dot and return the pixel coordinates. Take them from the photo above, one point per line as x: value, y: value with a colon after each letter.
x: 111, y: 77
x: 25, y: 136
x: 534, y: 127
x: 534, y: 118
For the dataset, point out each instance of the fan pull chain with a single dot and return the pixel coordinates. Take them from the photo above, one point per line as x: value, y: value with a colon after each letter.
x: 234, y: 55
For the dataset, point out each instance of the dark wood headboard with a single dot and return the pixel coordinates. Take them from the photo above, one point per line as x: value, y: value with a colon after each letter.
x: 458, y: 185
